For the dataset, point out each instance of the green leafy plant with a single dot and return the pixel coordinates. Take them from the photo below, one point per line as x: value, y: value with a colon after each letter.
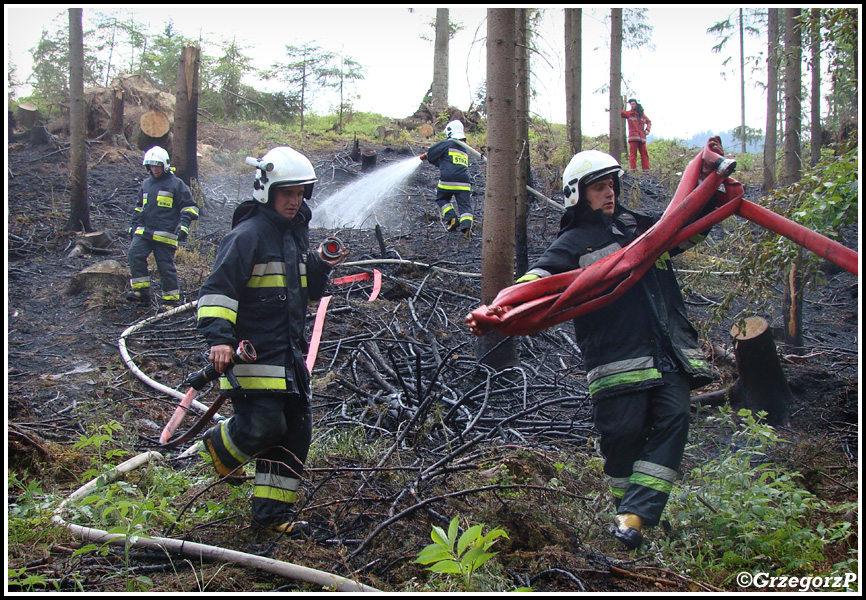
x: 102, y: 437
x: 462, y: 555
x: 740, y: 509
x: 132, y: 518
x: 19, y: 578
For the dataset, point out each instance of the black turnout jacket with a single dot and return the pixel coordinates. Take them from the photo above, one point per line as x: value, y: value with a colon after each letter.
x: 629, y: 343
x: 258, y: 290
x: 164, y: 203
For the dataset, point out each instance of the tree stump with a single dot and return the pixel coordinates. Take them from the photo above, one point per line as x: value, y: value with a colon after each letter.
x: 762, y: 385
x: 356, y: 151
x: 368, y: 160
x: 153, y: 128
x: 28, y: 115
x: 39, y: 136
x: 107, y: 275
x: 426, y: 130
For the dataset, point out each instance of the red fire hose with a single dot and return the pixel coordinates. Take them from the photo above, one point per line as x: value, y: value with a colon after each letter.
x: 530, y: 307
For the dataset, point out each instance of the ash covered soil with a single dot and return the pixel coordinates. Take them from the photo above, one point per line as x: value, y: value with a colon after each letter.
x: 399, y: 400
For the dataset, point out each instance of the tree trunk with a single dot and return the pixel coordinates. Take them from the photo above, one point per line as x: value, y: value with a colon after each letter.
x: 772, y: 99
x: 521, y: 241
x: 116, y: 125
x: 792, y: 304
x: 573, y: 18
x: 762, y: 385
x: 816, y: 87
x: 185, y: 158
x: 79, y: 213
x: 497, y: 251
x: 742, y: 85
x: 615, y: 82
x: 439, y: 102
x: 792, y: 301
x: 793, y: 109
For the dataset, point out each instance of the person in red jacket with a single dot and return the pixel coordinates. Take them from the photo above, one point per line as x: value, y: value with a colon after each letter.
x: 638, y: 128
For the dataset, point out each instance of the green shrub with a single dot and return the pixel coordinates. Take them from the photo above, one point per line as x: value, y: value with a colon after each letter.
x: 739, y: 510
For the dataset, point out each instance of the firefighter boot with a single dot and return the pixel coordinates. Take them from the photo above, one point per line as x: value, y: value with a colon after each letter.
x: 232, y: 476
x: 627, y: 529
x: 289, y: 529
x: 142, y: 296
x: 168, y: 305
x: 449, y: 218
x: 466, y: 226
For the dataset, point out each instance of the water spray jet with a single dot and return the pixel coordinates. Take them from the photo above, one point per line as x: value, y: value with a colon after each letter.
x: 352, y: 206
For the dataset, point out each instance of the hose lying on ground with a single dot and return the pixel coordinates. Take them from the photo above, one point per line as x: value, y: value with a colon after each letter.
x: 195, y: 550
x: 124, y: 353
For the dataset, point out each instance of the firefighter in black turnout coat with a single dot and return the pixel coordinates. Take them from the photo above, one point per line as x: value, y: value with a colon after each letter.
x: 452, y: 158
x: 161, y: 220
x: 258, y: 290
x: 641, y: 354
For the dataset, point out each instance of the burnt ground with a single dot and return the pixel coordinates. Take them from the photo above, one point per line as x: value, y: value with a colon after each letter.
x: 410, y: 424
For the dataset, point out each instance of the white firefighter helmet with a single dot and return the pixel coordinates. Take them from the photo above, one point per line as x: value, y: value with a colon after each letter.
x: 584, y: 168
x: 454, y: 129
x: 155, y: 156
x: 280, y: 167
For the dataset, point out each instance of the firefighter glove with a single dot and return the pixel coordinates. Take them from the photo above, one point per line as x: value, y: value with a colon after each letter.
x: 181, y: 233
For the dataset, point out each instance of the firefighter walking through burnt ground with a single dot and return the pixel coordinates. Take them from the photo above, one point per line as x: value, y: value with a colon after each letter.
x: 640, y: 352
x: 452, y: 158
x: 263, y: 276
x: 160, y: 221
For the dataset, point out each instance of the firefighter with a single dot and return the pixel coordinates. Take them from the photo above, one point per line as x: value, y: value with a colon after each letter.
x: 640, y: 352
x: 452, y: 158
x: 639, y: 127
x: 263, y: 275
x: 161, y: 220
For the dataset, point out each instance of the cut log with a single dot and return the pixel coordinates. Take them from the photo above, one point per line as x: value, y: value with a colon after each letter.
x: 426, y: 130
x: 762, y: 385
x: 28, y: 115
x: 185, y: 156
x: 96, y: 239
x: 153, y: 130
x: 715, y: 398
x: 154, y: 123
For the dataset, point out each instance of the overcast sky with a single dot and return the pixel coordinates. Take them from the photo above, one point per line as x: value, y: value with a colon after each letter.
x: 680, y: 84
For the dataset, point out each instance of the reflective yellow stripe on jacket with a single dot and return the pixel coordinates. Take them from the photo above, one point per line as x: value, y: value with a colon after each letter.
x: 218, y: 306
x: 272, y: 274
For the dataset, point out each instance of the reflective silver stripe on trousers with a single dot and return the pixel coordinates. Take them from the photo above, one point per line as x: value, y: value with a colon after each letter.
x: 658, y: 471
x: 277, y: 481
